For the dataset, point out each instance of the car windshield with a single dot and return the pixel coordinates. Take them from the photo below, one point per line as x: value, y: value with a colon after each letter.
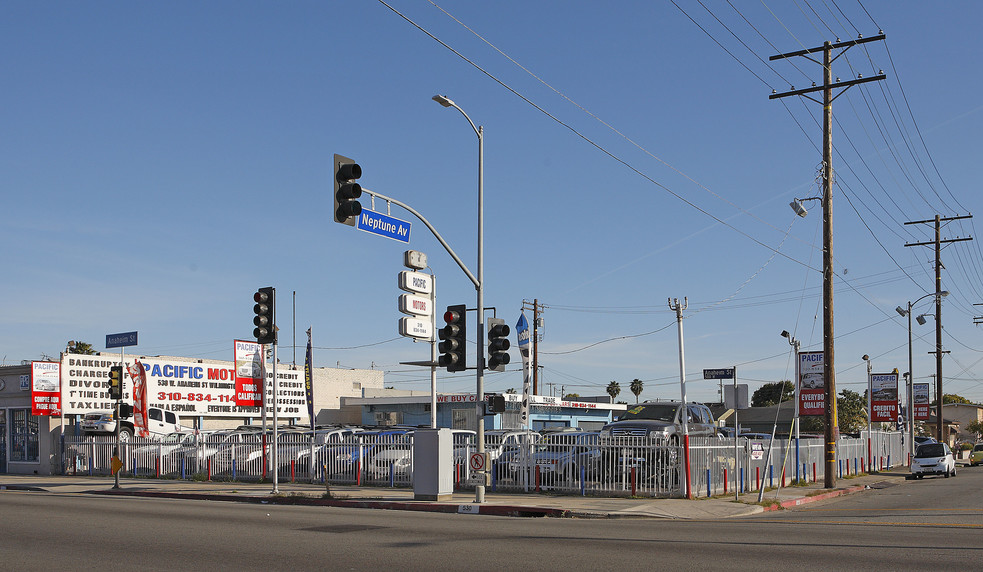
x: 658, y: 412
x: 931, y: 450
x: 978, y: 447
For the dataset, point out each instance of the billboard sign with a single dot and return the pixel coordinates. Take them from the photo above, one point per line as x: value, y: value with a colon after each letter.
x: 812, y: 386
x: 249, y: 373
x: 45, y: 388
x: 884, y: 397
x: 920, y: 391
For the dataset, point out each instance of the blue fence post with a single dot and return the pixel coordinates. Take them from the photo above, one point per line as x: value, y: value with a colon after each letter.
x: 234, y: 468
x: 184, y: 475
x: 797, y: 460
x: 708, y: 483
x: 741, y: 489
x: 392, y: 474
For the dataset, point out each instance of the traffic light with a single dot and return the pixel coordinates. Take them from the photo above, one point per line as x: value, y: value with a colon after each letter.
x: 346, y: 190
x: 116, y: 382
x: 495, y: 404
x: 125, y: 410
x: 498, y: 344
x: 453, y: 335
x: 265, y: 331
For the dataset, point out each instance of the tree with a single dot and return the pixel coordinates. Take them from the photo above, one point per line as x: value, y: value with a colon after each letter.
x: 851, y: 413
x: 636, y: 388
x: 571, y: 396
x: 768, y: 394
x: 975, y: 427
x: 613, y: 389
x: 953, y: 398
x: 851, y: 408
x: 79, y: 347
x: 511, y: 390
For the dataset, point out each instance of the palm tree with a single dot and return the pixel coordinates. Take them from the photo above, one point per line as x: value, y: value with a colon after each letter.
x: 636, y: 388
x: 613, y: 389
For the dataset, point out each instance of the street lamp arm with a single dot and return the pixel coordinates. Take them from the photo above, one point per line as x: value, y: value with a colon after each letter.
x: 433, y: 231
x: 446, y: 102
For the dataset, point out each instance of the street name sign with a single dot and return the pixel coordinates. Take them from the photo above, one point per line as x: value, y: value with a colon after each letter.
x: 722, y: 373
x: 121, y: 340
x: 384, y: 225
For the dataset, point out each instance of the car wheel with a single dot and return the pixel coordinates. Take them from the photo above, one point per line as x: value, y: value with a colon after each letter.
x: 948, y: 474
x: 953, y: 471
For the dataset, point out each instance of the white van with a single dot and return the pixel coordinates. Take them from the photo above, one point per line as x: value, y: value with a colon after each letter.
x: 159, y: 422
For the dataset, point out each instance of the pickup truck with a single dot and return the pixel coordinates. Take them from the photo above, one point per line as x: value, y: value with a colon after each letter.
x: 159, y: 422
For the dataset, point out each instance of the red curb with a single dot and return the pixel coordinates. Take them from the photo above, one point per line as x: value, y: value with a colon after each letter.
x: 805, y: 500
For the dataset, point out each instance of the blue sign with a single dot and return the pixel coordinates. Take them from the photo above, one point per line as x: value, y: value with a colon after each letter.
x: 384, y: 225
x: 121, y: 340
x: 724, y: 373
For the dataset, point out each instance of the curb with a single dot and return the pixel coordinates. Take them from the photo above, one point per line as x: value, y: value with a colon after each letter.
x: 489, y: 510
x: 806, y: 500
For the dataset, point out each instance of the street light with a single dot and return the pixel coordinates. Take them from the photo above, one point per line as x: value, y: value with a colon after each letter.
x: 479, y: 490
x: 911, y: 372
x: 795, y: 345
x: 832, y: 432
x: 870, y: 398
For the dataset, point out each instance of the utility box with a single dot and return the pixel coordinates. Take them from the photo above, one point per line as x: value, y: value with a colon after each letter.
x: 433, y: 463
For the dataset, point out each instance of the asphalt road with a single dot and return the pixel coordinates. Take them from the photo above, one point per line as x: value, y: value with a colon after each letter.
x: 930, y: 524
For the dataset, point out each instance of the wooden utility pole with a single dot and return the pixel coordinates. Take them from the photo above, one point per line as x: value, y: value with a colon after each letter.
x: 937, y: 243
x: 829, y: 378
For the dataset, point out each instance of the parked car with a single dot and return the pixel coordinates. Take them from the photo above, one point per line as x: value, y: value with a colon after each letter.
x: 348, y: 458
x: 922, y: 439
x: 933, y: 459
x: 145, y: 457
x: 560, y: 457
x: 661, y: 419
x: 976, y: 456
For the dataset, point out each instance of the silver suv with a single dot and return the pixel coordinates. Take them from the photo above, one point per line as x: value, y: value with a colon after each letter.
x: 661, y: 419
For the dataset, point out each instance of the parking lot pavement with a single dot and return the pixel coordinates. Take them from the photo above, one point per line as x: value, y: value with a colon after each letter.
x: 501, y: 504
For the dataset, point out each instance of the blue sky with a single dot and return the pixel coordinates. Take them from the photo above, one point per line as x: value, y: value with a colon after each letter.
x: 161, y: 161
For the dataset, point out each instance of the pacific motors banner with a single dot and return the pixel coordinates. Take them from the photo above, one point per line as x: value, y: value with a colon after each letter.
x: 812, y: 386
x: 45, y: 388
x: 884, y: 397
x: 922, y: 406
x: 184, y: 386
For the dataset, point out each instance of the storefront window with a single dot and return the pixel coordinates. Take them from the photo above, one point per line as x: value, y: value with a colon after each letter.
x: 24, y: 441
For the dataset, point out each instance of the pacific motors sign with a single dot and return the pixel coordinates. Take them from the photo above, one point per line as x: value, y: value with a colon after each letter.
x: 186, y: 387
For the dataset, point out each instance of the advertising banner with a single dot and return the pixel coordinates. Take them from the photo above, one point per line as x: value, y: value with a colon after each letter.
x: 308, y: 377
x: 185, y: 386
x: 45, y: 388
x: 522, y: 333
x: 884, y: 397
x: 922, y: 407
x: 139, y: 377
x: 249, y: 374
x: 812, y: 387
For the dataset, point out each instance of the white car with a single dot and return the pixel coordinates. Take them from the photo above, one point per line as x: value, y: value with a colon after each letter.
x: 933, y: 459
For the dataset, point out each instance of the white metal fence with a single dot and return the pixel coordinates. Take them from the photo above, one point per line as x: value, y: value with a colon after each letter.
x: 568, y: 463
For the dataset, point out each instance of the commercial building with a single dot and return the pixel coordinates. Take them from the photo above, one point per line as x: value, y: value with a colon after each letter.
x: 34, y: 416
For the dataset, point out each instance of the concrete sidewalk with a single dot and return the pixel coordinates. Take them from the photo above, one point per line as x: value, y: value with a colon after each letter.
x: 501, y: 504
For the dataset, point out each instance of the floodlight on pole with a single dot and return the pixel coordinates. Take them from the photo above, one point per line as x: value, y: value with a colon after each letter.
x: 799, y: 209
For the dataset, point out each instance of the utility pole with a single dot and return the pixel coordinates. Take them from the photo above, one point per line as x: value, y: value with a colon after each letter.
x: 937, y: 243
x: 536, y: 309
x: 829, y: 378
